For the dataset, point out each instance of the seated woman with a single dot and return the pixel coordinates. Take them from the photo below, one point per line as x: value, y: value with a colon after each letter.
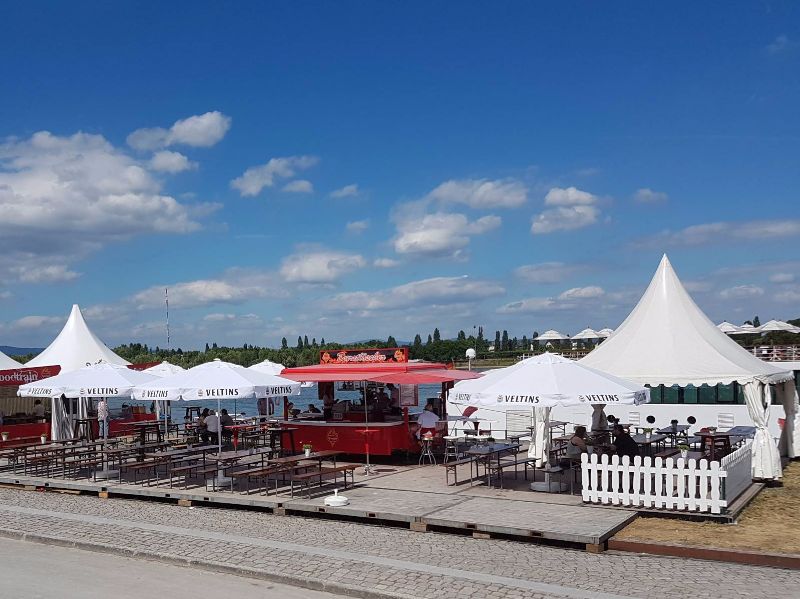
x: 312, y: 409
x: 577, y: 445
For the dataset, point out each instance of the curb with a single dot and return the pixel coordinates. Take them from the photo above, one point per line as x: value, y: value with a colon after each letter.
x: 305, y: 583
x: 735, y: 556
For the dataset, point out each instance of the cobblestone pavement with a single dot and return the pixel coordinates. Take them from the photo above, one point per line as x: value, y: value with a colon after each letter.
x: 369, y: 560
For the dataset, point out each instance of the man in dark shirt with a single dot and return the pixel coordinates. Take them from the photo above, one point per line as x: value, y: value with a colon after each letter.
x: 624, y: 445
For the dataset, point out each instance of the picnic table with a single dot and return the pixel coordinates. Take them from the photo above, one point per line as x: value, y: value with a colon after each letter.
x: 486, y: 453
x: 646, y: 443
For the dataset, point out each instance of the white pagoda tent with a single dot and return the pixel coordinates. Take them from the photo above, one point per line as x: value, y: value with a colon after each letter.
x: 668, y: 340
x: 76, y: 347
x: 7, y: 363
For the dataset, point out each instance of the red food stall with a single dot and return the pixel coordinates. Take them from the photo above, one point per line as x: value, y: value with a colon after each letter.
x: 389, y: 385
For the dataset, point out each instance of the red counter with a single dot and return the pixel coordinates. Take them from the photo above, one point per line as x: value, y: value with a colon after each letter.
x: 350, y: 438
x: 35, y: 429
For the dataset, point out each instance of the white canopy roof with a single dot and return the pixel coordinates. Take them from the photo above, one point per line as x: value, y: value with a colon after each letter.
x: 748, y: 329
x: 7, y: 363
x: 586, y: 334
x: 268, y: 366
x: 605, y: 333
x: 547, y: 380
x: 778, y: 325
x: 97, y: 380
x: 216, y: 380
x: 551, y: 335
x: 75, y: 347
x: 667, y: 340
x: 729, y: 328
x: 164, y: 369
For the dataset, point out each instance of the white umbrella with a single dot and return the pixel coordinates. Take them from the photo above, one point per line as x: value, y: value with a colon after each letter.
x: 162, y: 370
x: 542, y: 382
x: 218, y: 381
x: 728, y: 328
x: 551, y: 335
x: 778, y: 325
x: 748, y: 329
x: 268, y: 367
x: 586, y: 334
x: 97, y: 380
x: 605, y: 333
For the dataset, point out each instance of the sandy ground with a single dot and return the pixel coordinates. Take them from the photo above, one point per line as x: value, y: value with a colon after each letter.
x: 770, y: 523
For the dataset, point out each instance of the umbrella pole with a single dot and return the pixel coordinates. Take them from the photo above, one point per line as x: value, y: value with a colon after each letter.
x: 367, y: 468
x: 221, y: 478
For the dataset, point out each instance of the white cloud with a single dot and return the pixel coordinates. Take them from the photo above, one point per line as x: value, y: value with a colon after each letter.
x: 320, y: 266
x: 54, y: 273
x: 564, y: 219
x: 788, y: 296
x: 256, y: 178
x: 63, y: 198
x: 438, y: 234
x: 719, y: 232
x: 782, y: 277
x: 572, y: 209
x: 200, y: 131
x: 780, y: 44
x: 427, y: 292
x: 171, y: 162
x: 570, y: 196
x: 346, y: 191
x: 546, y: 272
x: 590, y: 292
x: 697, y: 286
x: 357, y: 226
x: 385, y: 263
x: 234, y: 286
x: 299, y: 186
x: 481, y: 193
x: 741, y: 292
x: 37, y: 322
x: 532, y: 305
x: 648, y: 196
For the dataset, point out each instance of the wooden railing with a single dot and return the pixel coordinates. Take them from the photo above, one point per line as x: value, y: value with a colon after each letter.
x: 776, y: 353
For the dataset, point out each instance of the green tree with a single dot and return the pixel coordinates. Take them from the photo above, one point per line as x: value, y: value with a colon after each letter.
x: 305, y: 341
x: 207, y: 347
x: 430, y: 340
x: 322, y: 341
x: 391, y: 342
x: 417, y: 341
x: 462, y: 336
x: 284, y: 343
x: 756, y: 322
x: 525, y: 345
x: 299, y: 343
x: 504, y: 341
x: 436, y: 335
x: 497, y: 346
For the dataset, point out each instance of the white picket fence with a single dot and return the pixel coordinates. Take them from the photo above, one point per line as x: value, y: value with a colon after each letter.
x: 671, y: 484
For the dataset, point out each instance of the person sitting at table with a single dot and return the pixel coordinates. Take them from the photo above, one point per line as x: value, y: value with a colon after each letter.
x: 624, y: 445
x: 212, y: 426
x: 202, y: 429
x: 312, y: 409
x: 427, y: 421
x: 577, y: 445
x: 226, y: 420
x: 38, y: 409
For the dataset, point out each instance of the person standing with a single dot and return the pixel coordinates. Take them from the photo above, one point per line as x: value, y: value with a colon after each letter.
x: 102, y: 417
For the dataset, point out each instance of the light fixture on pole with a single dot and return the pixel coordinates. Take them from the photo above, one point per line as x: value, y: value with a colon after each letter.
x: 470, y: 353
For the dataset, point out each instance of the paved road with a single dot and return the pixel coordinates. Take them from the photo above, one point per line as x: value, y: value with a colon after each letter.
x: 347, y: 557
x: 36, y: 571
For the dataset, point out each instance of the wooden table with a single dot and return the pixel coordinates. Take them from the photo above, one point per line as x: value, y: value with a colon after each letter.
x: 719, y: 444
x: 643, y: 442
x: 488, y: 452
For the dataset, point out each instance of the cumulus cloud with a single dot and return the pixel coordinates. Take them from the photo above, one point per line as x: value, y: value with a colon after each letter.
x: 648, y: 196
x: 741, y: 292
x: 571, y: 209
x: 53, y: 273
x: 346, y: 192
x: 234, y: 286
x: 437, y: 234
x: 299, y: 186
x: 63, y: 198
x: 481, y: 193
x: 724, y: 232
x: 36, y: 322
x: 256, y: 178
x: 780, y: 44
x: 782, y: 277
x: 582, y: 293
x: 385, y: 263
x: 546, y: 272
x: 200, y: 131
x: 357, y: 226
x: 428, y: 292
x: 319, y: 266
x: 171, y: 162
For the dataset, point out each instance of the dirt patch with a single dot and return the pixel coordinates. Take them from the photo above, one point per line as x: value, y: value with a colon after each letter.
x: 770, y: 523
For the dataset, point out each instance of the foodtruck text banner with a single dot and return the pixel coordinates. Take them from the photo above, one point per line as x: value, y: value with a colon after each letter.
x: 19, y: 376
x: 364, y: 356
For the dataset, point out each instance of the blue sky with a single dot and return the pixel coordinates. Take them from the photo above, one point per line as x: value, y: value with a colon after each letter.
x: 349, y: 170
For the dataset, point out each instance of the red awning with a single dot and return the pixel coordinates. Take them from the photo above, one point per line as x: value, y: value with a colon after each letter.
x: 382, y: 372
x: 425, y: 377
